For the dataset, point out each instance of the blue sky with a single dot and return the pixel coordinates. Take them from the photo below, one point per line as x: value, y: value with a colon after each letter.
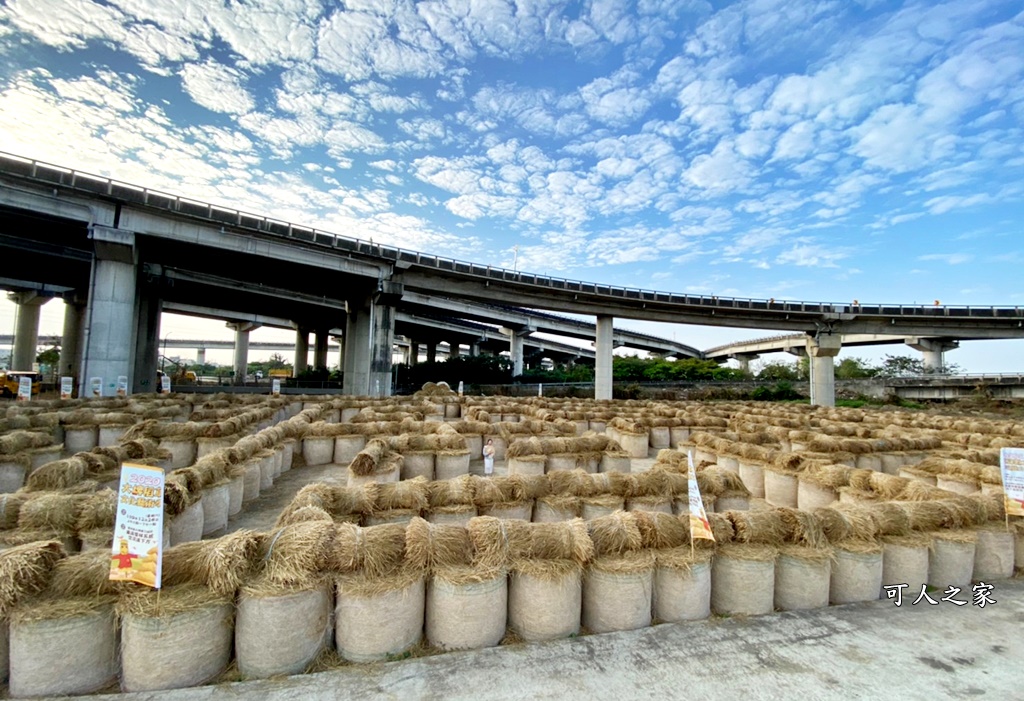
x: 771, y: 148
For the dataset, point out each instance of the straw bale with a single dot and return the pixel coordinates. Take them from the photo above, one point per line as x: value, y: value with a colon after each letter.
x: 660, y: 530
x: 97, y: 510
x: 169, y: 601
x: 767, y: 527
x: 917, y: 490
x: 451, y: 492
x: 804, y: 529
x: 682, y: 558
x: 570, y: 483
x: 406, y: 494
x: 721, y: 528
x: 891, y: 519
x: 302, y: 513
x: 230, y: 560
x: 83, y: 574
x: 615, y: 534
x: 53, y: 511
x: 369, y: 459
x: 296, y: 552
x: 17, y: 441
x: 833, y: 524
x: 925, y: 515
x: 861, y: 521
x: 430, y: 546
x: 25, y: 570
x: 58, y: 474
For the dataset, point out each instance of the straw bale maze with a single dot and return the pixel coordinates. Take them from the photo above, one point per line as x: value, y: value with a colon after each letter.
x: 386, y: 540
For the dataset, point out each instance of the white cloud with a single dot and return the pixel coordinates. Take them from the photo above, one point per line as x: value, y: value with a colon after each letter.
x: 216, y: 87
x: 811, y: 255
x: 948, y: 258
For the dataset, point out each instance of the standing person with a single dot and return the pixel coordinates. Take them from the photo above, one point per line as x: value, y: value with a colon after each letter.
x: 488, y: 458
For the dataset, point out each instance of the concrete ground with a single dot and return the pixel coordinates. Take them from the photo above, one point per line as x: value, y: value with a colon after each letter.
x: 859, y: 651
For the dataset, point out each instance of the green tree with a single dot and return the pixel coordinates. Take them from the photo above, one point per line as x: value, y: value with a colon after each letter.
x: 901, y: 366
x: 778, y: 370
x: 854, y: 368
x: 50, y: 356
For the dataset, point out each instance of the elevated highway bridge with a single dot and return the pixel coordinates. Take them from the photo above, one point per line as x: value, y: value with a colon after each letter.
x: 121, y: 253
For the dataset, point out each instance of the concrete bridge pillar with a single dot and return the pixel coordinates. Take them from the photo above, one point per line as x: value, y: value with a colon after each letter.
x: 200, y: 356
x: 148, y: 310
x: 320, y: 349
x: 414, y: 352
x: 26, y: 331
x: 933, y: 350
x: 241, y: 364
x: 111, y: 316
x: 474, y: 349
x: 301, y: 361
x: 341, y: 350
x: 453, y: 349
x: 431, y: 351
x: 823, y: 372
x: 744, y: 360
x: 517, y: 336
x: 603, y: 347
x: 71, y: 338
x: 369, y: 341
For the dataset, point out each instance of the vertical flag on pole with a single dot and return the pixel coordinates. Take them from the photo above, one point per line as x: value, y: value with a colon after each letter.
x: 165, y: 383
x: 96, y: 386
x: 699, y: 526
x: 24, y: 388
x: 460, y: 388
x: 122, y: 385
x: 137, y: 552
x: 1011, y: 467
x: 275, y: 387
x: 66, y: 387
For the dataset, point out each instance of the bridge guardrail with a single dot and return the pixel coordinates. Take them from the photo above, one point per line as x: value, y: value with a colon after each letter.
x: 67, y: 177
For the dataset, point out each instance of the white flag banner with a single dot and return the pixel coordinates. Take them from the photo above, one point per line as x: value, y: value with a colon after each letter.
x: 275, y: 387
x: 699, y: 525
x: 24, y: 388
x: 67, y: 387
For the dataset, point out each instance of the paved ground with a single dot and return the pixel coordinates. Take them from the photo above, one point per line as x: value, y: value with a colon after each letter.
x: 860, y: 651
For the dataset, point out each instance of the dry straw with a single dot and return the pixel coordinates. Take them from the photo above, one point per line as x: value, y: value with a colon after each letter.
x: 25, y: 570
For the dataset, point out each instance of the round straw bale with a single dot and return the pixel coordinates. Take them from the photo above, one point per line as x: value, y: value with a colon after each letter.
x: 545, y: 599
x: 856, y: 572
x: 174, y: 638
x: 76, y: 636
x: 905, y: 561
x: 297, y: 552
x: 618, y: 592
x: 378, y: 617
x: 802, y: 577
x: 615, y: 534
x: 743, y: 579
x: 466, y: 607
x: 767, y: 527
x: 281, y: 630
x: 682, y: 584
x: 994, y: 553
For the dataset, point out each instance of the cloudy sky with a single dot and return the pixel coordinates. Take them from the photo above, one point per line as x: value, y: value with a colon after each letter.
x: 830, y: 150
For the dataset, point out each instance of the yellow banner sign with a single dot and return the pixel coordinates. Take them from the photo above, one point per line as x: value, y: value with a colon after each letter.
x: 137, y: 552
x: 1011, y: 466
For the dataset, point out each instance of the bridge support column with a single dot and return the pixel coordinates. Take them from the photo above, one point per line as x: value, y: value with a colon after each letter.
x: 933, y: 350
x: 414, y: 352
x: 320, y: 350
x: 147, y: 341
x: 301, y: 361
x: 453, y: 349
x: 603, y: 347
x: 474, y: 350
x: 341, y: 350
x: 431, y: 351
x: 821, y: 351
x: 369, y: 341
x: 241, y: 364
x: 517, y: 337
x: 744, y: 360
x: 200, y: 356
x: 111, y: 324
x: 71, y: 338
x: 26, y: 332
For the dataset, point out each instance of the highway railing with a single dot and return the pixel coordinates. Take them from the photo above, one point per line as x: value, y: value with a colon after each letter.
x: 50, y: 174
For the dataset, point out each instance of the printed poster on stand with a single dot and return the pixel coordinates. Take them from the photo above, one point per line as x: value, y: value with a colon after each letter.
x: 699, y: 525
x: 137, y: 551
x: 1011, y: 466
x: 24, y: 388
x: 67, y: 387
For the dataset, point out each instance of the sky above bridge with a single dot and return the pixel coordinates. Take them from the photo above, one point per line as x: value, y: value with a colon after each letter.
x: 831, y: 150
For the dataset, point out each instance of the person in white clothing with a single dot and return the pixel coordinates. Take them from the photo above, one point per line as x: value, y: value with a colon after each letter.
x: 488, y: 458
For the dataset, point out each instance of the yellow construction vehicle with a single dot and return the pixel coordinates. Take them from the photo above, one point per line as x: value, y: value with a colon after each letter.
x: 9, y: 380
